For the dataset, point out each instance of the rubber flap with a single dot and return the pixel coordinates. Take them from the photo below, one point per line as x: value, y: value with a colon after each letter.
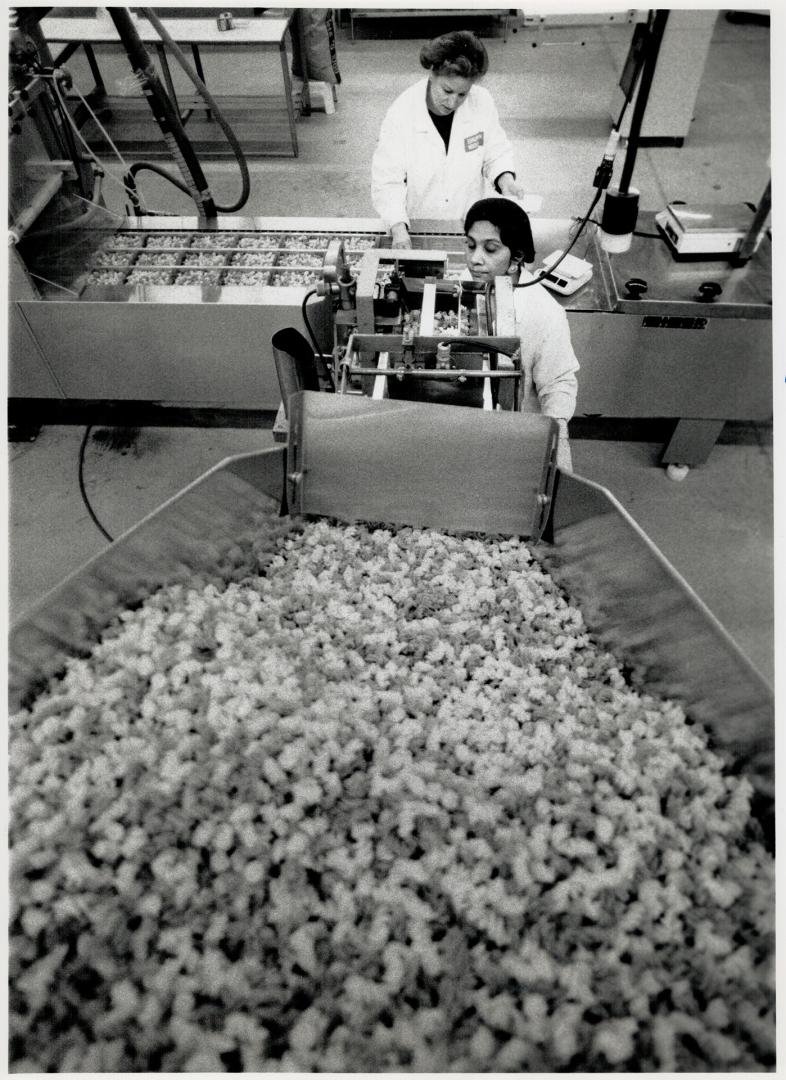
x: 429, y: 466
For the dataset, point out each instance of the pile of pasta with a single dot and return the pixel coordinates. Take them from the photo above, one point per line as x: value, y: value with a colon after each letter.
x: 369, y: 799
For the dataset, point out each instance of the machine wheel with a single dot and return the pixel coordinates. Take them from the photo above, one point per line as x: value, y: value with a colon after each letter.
x: 677, y: 472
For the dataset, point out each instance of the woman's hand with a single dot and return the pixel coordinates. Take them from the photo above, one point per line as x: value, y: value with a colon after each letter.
x: 400, y: 236
x: 564, y: 456
x: 509, y: 186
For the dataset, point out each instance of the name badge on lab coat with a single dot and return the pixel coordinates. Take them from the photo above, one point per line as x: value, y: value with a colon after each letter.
x: 472, y: 142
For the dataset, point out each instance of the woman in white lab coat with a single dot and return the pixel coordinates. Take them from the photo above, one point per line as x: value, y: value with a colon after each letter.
x: 498, y: 243
x: 441, y: 145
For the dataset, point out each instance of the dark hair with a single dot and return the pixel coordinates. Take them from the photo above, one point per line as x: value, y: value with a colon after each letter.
x: 512, y: 221
x: 457, y: 53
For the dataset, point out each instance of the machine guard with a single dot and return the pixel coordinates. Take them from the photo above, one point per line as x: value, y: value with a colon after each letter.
x: 429, y: 466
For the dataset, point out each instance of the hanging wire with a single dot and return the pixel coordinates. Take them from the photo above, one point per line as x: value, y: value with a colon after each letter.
x: 54, y: 284
x: 550, y: 269
x: 107, y: 172
x: 82, y: 490
x: 98, y: 206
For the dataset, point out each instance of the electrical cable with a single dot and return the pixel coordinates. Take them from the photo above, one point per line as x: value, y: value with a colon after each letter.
x: 550, y: 269
x: 82, y: 490
x: 312, y: 335
x: 307, y: 322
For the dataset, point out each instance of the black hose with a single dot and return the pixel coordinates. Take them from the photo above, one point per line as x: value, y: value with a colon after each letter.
x: 208, y: 98
x: 165, y: 113
x: 82, y: 490
x: 550, y: 269
x: 311, y: 334
x: 307, y: 322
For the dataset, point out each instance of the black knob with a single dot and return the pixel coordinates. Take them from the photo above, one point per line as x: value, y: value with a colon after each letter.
x: 636, y: 287
x: 708, y: 290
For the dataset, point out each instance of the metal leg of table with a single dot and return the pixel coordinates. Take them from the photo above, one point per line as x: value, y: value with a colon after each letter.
x: 94, y: 68
x: 305, y: 92
x: 200, y: 72
x: 691, y: 442
x: 282, y: 52
x: 167, y: 75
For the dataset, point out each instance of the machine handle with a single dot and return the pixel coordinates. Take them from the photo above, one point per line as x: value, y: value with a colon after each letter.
x: 708, y: 290
x: 636, y: 287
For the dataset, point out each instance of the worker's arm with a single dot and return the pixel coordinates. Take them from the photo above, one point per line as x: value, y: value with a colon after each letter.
x: 547, y: 351
x: 506, y: 184
x: 389, y: 178
x: 497, y: 152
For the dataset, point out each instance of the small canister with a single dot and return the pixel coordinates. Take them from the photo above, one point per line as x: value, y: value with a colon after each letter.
x: 224, y: 20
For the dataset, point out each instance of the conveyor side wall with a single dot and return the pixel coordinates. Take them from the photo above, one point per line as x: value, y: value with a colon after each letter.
x: 636, y: 603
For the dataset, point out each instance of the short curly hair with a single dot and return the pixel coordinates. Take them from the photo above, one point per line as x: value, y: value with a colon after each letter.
x: 457, y: 53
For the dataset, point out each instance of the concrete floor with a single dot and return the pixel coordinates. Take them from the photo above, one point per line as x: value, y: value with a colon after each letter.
x: 716, y: 527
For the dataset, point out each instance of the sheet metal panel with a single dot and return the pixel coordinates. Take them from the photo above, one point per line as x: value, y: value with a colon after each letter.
x: 637, y: 604
x: 438, y: 466
x: 210, y: 354
x: 720, y: 371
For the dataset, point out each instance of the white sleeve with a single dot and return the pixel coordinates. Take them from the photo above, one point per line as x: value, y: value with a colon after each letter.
x: 498, y: 156
x: 545, y: 336
x: 389, y: 173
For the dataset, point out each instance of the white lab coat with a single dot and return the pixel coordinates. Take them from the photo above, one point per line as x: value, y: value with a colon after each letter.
x: 413, y: 177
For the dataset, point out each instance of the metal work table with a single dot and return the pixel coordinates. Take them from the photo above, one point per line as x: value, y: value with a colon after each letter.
x: 274, y: 115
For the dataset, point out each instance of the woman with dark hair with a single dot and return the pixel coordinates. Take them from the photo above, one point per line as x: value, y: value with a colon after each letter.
x: 441, y: 145
x: 498, y: 243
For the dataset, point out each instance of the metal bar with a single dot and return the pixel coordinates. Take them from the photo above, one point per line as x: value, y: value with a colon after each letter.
x: 393, y: 342
x: 380, y: 383
x: 94, y: 68
x: 648, y: 73
x: 436, y: 373
x: 200, y: 72
x: 161, y: 50
x: 66, y: 53
x: 43, y: 196
x: 488, y: 403
x: 282, y: 52
x: 427, y: 309
x: 305, y: 93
